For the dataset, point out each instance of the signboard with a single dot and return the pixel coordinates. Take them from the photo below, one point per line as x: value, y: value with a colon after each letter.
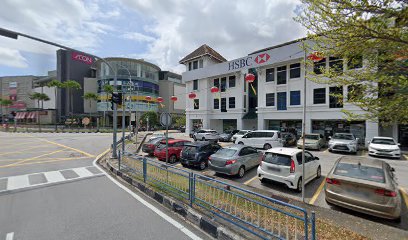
x: 85, y: 121
x: 165, y: 119
x: 132, y: 117
x: 82, y: 57
x: 12, y: 84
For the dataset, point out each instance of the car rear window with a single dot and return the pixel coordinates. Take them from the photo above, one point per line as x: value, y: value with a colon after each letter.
x: 226, y: 152
x: 359, y: 171
x: 190, y: 149
x: 241, y: 132
x: 278, y: 159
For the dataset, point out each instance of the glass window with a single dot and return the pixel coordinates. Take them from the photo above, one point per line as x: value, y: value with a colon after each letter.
x: 359, y: 171
x: 200, y: 63
x: 216, y: 103
x: 354, y: 92
x: 281, y: 100
x: 384, y: 141
x: 231, y: 81
x: 227, y: 152
x: 270, y: 74
x: 336, y: 64
x: 195, y: 84
x: 216, y: 83
x: 294, y: 70
x: 277, y: 159
x: 245, y: 101
x: 196, y: 103
x: 294, y: 98
x: 195, y: 64
x: 223, y: 105
x: 281, y: 75
x: 231, y: 102
x: 223, y: 84
x: 270, y: 99
x: 319, y: 66
x: 335, y: 97
x: 355, y: 62
x: 319, y: 95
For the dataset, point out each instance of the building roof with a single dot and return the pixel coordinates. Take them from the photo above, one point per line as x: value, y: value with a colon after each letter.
x: 202, y: 51
x: 279, y: 45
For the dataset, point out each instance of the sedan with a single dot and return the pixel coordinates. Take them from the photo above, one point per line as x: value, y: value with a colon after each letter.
x: 151, y: 145
x: 384, y: 147
x: 235, y: 160
x: 364, y: 185
x: 312, y: 141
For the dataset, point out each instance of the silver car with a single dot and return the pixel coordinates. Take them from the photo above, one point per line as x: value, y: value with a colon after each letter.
x: 312, y: 141
x: 206, y: 134
x: 235, y: 160
x: 343, y: 142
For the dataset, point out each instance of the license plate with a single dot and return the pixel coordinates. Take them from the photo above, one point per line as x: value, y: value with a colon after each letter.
x: 275, y: 169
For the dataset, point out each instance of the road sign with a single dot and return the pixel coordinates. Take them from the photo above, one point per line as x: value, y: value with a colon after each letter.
x: 165, y: 119
x: 85, y: 121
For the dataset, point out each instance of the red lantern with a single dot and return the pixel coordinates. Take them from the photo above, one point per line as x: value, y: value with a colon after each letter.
x: 315, y: 56
x: 160, y: 99
x: 148, y: 98
x: 192, y: 95
x: 173, y: 98
x: 250, y: 77
x: 214, y: 89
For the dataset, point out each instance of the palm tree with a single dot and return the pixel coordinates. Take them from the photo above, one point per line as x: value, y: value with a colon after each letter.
x: 90, y: 96
x: 39, y: 97
x: 4, y: 103
x: 71, y: 85
x: 108, y: 89
x: 56, y: 85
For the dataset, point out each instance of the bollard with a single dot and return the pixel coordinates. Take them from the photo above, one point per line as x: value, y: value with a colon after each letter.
x: 144, y: 170
x: 119, y: 159
x: 313, y: 219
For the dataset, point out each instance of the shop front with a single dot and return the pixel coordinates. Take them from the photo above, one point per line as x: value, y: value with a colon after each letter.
x: 292, y: 126
x: 403, y: 135
x: 329, y: 127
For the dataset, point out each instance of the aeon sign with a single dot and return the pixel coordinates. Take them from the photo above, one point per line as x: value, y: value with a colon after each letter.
x: 248, y: 62
x: 81, y: 57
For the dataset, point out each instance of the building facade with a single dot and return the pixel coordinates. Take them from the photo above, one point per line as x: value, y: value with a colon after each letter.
x: 170, y: 84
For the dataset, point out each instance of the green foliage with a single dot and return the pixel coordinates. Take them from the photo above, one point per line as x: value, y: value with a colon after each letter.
x: 108, y: 88
x: 71, y: 84
x: 153, y: 118
x: 5, y: 102
x: 91, y: 96
x: 55, y: 83
x: 180, y: 121
x: 373, y: 30
x: 39, y: 96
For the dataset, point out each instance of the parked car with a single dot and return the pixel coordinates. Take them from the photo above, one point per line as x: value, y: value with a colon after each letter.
x: 364, y: 185
x: 227, y: 135
x: 182, y: 129
x: 312, y: 141
x: 192, y: 132
x: 239, y: 134
x: 197, y: 153
x: 265, y: 139
x: 157, y: 135
x: 384, y: 147
x: 343, y: 142
x: 206, y: 134
x: 175, y: 147
x: 284, y: 165
x: 151, y: 145
x: 288, y: 139
x: 235, y: 160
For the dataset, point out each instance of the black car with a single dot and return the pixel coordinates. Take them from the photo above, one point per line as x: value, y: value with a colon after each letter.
x: 197, y: 153
x: 227, y: 135
x: 151, y: 145
x: 289, y: 139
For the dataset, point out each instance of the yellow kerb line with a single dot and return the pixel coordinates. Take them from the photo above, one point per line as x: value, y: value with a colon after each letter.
x: 317, y: 193
x: 33, y: 158
x: 250, y: 180
x: 404, y: 196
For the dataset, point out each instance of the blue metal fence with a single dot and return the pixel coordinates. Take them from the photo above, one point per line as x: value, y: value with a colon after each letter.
x: 260, y: 215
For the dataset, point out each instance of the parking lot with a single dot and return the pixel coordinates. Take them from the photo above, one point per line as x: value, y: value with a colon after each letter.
x: 314, y: 190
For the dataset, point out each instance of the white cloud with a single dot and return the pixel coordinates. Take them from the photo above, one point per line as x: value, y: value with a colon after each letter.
x: 12, y: 58
x: 233, y: 28
x: 139, y: 37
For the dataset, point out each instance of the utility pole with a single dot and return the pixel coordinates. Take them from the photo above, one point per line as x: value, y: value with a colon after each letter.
x: 304, y: 127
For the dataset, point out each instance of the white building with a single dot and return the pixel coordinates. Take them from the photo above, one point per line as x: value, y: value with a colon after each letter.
x: 275, y: 99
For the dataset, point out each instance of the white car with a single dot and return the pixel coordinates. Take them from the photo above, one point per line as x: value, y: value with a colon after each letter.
x: 343, y: 142
x: 384, y: 147
x: 239, y: 134
x: 265, y: 139
x: 284, y: 165
x: 206, y: 134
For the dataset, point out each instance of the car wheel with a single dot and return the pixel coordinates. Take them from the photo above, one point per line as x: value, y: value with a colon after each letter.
x: 241, y: 143
x: 263, y: 180
x: 194, y: 137
x: 184, y: 165
x: 299, y: 185
x: 202, y: 165
x: 173, y: 158
x: 319, y: 147
x: 241, y: 172
x: 319, y: 172
x: 330, y: 150
x: 397, y: 220
x: 203, y: 139
x: 267, y: 146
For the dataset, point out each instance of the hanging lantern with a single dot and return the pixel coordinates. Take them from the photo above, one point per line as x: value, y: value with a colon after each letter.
x: 148, y: 98
x: 160, y: 100
x: 214, y: 89
x: 173, y: 98
x: 250, y: 78
x: 192, y: 95
x: 315, y: 56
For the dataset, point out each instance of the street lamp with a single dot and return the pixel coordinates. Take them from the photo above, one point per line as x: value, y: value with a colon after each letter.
x: 14, y: 35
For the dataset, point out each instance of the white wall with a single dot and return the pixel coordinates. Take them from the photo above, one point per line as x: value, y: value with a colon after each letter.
x: 50, y: 91
x: 180, y: 92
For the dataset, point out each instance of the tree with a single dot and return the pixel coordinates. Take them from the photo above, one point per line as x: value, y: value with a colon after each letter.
x: 56, y: 85
x: 373, y: 31
x: 71, y: 85
x: 108, y: 89
x: 152, y: 116
x: 39, y: 97
x: 91, y: 97
x: 4, y: 103
x: 180, y: 121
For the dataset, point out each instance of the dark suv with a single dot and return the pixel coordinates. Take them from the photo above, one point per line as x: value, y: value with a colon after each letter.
x: 197, y: 153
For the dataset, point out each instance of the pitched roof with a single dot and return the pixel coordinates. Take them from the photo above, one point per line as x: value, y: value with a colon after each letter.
x: 201, y: 51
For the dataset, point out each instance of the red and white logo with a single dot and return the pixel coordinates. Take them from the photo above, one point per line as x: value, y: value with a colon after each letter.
x: 81, y: 57
x: 261, y: 58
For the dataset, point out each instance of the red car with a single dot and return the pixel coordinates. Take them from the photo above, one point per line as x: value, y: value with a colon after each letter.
x: 175, y: 147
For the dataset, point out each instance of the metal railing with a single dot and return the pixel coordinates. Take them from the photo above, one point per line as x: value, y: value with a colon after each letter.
x: 260, y: 215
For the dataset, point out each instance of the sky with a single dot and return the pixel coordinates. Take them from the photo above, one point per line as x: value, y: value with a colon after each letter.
x: 158, y: 31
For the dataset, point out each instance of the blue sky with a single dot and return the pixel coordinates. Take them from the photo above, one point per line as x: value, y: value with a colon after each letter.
x: 161, y: 32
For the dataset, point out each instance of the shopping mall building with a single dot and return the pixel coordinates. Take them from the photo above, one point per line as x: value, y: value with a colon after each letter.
x: 275, y: 99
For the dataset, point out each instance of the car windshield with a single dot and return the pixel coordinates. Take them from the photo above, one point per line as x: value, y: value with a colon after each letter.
x: 383, y: 141
x: 190, y: 149
x: 344, y: 136
x: 241, y: 132
x: 313, y: 137
x: 278, y: 159
x: 226, y: 152
x: 358, y: 171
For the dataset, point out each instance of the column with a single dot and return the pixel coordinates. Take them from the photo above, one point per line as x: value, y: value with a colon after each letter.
x: 239, y: 123
x: 261, y: 122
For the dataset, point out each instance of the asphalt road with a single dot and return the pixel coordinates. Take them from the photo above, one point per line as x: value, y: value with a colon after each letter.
x: 49, y: 189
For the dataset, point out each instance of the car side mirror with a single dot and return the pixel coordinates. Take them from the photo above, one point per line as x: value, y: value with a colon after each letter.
x: 329, y: 137
x: 316, y: 158
x: 399, y: 144
x: 392, y: 169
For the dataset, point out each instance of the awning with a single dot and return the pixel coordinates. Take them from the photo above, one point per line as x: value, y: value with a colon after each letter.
x: 32, y: 115
x: 20, y: 115
x: 250, y: 115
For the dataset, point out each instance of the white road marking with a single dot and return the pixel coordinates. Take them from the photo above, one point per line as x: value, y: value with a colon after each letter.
x: 150, y: 206
x: 17, y: 182
x: 10, y: 236
x: 83, y: 172
x: 54, y: 176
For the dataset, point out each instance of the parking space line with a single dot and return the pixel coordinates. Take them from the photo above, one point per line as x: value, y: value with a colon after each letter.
x: 404, y: 196
x: 33, y: 158
x: 250, y: 180
x: 50, y: 161
x: 23, y: 150
x: 317, y: 193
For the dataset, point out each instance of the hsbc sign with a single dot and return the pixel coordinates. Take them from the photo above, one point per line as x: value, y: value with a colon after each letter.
x: 82, y: 57
x: 248, y: 62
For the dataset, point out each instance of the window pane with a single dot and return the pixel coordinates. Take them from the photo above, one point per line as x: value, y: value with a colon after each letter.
x: 354, y: 92
x: 201, y: 63
x: 294, y: 98
x: 319, y: 95
x: 216, y: 103
x: 355, y: 62
x: 223, y: 84
x: 223, y: 105
x: 196, y: 104
x: 195, y: 64
x: 195, y: 85
x: 216, y: 83
x: 270, y: 99
x: 281, y: 100
x: 295, y: 70
x: 270, y: 75
x: 319, y: 66
x: 231, y: 81
x: 335, y: 101
x: 336, y: 64
x: 281, y: 75
x: 231, y: 102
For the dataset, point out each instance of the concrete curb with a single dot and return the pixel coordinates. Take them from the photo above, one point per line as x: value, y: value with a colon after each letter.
x: 206, y: 224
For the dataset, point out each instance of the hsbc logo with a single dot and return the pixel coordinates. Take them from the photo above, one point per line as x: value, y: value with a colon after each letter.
x: 81, y: 57
x: 261, y: 58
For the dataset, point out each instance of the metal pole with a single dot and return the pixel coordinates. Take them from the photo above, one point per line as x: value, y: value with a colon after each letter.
x: 304, y: 127
x: 123, y: 118
x: 167, y: 138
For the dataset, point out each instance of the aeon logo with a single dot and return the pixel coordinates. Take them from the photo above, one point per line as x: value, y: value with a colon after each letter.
x: 261, y: 58
x: 82, y: 58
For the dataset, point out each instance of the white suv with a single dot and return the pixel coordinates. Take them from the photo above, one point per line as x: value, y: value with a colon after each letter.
x: 285, y: 165
x: 206, y: 134
x: 265, y: 139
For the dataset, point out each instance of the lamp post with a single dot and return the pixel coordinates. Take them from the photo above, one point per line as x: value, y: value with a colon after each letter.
x: 14, y: 35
